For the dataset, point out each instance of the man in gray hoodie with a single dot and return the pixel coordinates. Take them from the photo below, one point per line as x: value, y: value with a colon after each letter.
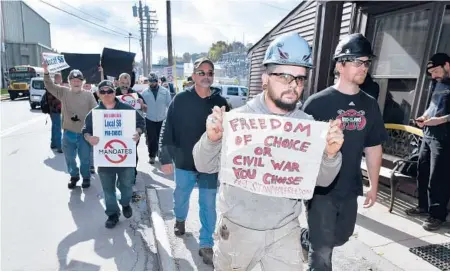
x: 256, y: 229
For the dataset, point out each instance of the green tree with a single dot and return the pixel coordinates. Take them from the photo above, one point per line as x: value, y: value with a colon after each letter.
x: 186, y: 57
x: 218, y: 49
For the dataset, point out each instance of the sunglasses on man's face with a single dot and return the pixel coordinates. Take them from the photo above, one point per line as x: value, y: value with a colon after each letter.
x: 106, y: 91
x: 203, y: 73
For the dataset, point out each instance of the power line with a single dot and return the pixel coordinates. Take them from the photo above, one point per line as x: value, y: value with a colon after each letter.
x: 275, y: 7
x: 101, y: 20
x: 114, y: 32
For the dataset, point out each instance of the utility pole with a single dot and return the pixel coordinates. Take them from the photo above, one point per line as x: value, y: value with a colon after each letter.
x: 129, y: 42
x: 151, y: 31
x: 169, y: 33
x: 141, y: 20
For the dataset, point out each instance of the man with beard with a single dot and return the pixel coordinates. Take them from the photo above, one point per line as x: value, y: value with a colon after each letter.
x: 124, y: 87
x: 257, y: 229
x: 332, y: 211
x: 184, y: 126
x: 433, y: 183
x: 76, y: 104
x: 157, y: 99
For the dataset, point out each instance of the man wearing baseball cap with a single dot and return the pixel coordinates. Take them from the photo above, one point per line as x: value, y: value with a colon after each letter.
x: 157, y: 99
x: 76, y: 104
x: 184, y: 126
x: 432, y: 182
x: 124, y: 177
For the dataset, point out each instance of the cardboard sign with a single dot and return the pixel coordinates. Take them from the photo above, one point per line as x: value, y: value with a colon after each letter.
x: 115, y: 62
x: 116, y: 147
x: 272, y: 155
x: 130, y: 99
x: 86, y: 63
x: 56, y: 62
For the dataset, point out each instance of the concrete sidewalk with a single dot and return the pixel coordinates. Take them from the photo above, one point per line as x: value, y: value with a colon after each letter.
x: 381, y: 240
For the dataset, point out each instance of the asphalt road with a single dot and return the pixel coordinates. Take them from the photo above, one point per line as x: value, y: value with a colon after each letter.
x: 45, y: 226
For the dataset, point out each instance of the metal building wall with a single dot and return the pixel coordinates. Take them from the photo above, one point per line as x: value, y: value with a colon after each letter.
x: 23, y: 25
x: 36, y: 28
x: 302, y: 20
x: 24, y: 54
x: 12, y: 20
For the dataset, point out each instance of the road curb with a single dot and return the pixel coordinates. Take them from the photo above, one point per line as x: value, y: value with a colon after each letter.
x: 164, y: 250
x: 4, y: 97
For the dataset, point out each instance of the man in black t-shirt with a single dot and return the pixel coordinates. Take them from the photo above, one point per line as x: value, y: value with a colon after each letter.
x: 332, y: 211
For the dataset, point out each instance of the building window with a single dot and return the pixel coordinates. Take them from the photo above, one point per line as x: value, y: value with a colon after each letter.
x: 399, y: 44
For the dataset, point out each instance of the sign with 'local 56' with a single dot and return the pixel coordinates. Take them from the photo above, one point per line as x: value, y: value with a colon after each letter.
x: 55, y: 62
x: 116, y: 147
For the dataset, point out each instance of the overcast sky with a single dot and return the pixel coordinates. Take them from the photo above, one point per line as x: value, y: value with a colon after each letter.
x: 196, y: 24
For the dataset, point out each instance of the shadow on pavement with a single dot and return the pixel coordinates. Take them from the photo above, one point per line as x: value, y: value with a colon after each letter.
x: 89, y: 217
x: 57, y: 162
x: 403, y: 202
x: 192, y: 245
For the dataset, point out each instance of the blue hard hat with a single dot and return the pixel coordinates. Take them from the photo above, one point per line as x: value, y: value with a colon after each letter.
x: 289, y: 49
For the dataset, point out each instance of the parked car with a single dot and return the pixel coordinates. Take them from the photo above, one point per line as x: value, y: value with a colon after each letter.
x: 37, y: 90
x: 235, y: 95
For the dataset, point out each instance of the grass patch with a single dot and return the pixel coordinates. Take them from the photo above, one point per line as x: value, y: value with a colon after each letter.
x: 4, y: 91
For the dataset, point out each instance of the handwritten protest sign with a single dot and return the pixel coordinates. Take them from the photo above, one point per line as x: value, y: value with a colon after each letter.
x: 272, y: 155
x: 116, y: 147
x: 130, y: 99
x: 55, y: 62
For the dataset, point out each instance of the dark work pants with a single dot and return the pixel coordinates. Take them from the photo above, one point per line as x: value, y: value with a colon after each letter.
x: 331, y: 222
x: 433, y: 179
x: 153, y: 131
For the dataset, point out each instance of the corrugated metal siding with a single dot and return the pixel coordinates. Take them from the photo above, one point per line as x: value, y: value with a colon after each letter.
x: 24, y: 54
x: 24, y: 25
x: 12, y: 20
x: 36, y: 29
x: 303, y: 22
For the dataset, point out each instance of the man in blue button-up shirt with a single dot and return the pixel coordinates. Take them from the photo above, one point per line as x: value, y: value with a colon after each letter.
x: 158, y: 100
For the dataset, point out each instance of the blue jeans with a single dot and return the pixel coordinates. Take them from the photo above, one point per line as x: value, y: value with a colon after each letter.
x: 331, y: 222
x: 207, y: 185
x: 123, y: 178
x: 73, y: 144
x: 56, y: 130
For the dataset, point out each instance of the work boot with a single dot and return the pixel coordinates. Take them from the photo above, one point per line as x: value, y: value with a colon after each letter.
x: 207, y: 254
x: 112, y: 221
x: 73, y: 182
x: 432, y: 224
x: 127, y: 211
x: 92, y: 169
x: 152, y: 160
x: 179, y: 228
x: 416, y: 211
x: 86, y: 183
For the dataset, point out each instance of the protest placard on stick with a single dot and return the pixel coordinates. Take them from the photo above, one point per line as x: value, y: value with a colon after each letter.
x: 272, y: 155
x: 56, y: 62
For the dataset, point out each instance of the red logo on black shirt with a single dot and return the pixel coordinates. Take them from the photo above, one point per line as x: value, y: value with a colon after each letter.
x: 352, y: 119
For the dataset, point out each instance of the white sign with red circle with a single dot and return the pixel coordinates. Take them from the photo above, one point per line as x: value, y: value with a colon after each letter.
x: 115, y: 129
x: 130, y: 99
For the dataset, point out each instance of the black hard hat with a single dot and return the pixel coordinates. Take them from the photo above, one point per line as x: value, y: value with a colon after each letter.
x: 76, y: 74
x: 354, y: 45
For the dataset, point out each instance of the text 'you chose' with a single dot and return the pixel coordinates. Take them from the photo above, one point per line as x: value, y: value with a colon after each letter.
x: 272, y: 155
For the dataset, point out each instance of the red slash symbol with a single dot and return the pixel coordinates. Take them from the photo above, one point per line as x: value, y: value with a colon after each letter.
x: 131, y: 102
x: 121, y: 157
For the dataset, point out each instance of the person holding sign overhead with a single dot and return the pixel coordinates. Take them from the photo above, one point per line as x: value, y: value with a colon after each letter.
x: 110, y: 177
x: 76, y: 104
x: 332, y: 211
x: 260, y: 228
